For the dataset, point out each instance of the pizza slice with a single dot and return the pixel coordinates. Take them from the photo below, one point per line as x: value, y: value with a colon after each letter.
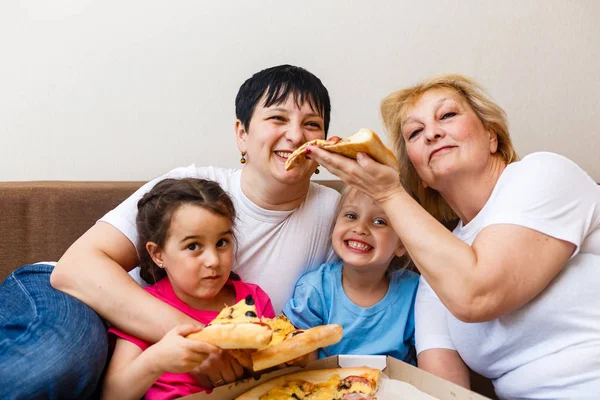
x: 289, y: 343
x: 236, y: 327
x: 363, y: 141
x: 336, y: 383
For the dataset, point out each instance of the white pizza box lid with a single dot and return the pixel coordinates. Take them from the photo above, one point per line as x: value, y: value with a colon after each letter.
x: 405, y: 381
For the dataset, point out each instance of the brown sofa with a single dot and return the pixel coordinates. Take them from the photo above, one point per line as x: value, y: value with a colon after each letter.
x: 40, y: 220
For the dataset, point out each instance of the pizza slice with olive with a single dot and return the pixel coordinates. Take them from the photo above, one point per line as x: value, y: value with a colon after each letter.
x: 289, y: 343
x: 236, y: 327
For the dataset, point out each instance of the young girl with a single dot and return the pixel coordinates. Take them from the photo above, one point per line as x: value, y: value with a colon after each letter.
x: 365, y: 292
x: 186, y: 249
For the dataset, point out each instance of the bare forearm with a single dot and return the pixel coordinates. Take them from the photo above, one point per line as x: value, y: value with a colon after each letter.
x: 133, y: 380
x: 446, y: 364
x: 103, y: 285
x: 448, y: 264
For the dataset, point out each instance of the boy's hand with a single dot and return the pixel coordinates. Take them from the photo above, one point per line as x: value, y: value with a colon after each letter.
x: 174, y: 353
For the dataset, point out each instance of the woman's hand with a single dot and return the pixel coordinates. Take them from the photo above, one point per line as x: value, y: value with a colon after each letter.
x: 378, y: 181
x: 174, y: 353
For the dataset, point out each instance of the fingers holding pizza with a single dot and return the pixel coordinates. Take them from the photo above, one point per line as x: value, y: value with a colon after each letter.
x: 361, y: 160
x: 175, y: 354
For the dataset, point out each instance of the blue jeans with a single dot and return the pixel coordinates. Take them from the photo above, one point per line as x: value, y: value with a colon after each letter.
x: 52, y: 346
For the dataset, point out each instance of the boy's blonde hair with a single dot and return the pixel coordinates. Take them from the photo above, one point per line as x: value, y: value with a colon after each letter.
x: 393, y: 111
x: 397, y: 263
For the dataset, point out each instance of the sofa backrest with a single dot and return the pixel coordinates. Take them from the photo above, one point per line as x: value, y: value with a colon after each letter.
x: 40, y: 220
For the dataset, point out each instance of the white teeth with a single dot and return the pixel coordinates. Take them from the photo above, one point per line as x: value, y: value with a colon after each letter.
x: 283, y: 154
x: 358, y: 245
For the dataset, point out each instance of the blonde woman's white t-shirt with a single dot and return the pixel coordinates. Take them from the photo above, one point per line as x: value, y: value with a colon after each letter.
x: 549, y: 348
x: 275, y: 248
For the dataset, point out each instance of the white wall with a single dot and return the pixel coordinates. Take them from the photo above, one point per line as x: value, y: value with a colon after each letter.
x: 126, y: 90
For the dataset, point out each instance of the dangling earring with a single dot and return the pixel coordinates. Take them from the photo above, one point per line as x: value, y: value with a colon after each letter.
x: 317, y: 172
x: 243, y: 159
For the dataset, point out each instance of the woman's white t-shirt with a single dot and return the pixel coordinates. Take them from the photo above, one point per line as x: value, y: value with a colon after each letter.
x: 549, y: 348
x: 275, y: 248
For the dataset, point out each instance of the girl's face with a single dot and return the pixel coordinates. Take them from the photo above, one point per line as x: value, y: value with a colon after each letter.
x: 197, y: 254
x: 444, y: 137
x: 362, y: 236
x: 274, y: 133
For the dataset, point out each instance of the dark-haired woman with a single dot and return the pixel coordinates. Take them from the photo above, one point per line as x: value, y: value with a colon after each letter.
x: 284, y: 226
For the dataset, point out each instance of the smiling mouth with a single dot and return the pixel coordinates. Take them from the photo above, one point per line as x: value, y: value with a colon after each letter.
x: 283, y: 154
x: 360, y: 246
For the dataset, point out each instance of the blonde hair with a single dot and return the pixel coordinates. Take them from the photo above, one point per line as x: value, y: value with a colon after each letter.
x: 397, y: 263
x: 393, y: 111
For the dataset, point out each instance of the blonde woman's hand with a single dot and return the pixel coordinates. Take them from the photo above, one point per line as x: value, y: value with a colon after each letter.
x: 174, y: 353
x: 378, y: 181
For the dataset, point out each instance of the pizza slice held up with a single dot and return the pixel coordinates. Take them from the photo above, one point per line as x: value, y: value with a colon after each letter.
x: 363, y: 141
x: 289, y: 343
x: 236, y: 327
x: 260, y: 344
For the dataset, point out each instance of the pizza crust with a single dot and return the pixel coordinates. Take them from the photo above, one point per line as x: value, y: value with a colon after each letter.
x: 297, y: 346
x: 235, y: 336
x: 315, y: 377
x: 363, y: 141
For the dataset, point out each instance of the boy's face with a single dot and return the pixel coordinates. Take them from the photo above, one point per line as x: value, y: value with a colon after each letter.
x: 274, y: 133
x: 362, y: 236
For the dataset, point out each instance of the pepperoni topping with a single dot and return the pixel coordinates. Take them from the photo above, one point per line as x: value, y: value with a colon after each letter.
x: 347, y: 383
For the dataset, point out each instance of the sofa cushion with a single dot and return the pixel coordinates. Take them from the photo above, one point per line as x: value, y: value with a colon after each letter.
x: 40, y: 220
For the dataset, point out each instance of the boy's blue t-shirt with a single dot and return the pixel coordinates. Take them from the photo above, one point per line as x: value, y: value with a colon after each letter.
x: 387, y: 328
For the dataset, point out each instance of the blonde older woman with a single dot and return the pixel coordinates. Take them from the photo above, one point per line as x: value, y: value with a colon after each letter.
x: 512, y: 292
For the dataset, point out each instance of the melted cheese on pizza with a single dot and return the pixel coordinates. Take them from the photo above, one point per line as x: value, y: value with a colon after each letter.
x: 281, y: 327
x: 334, y: 389
x: 242, y: 311
x: 289, y: 390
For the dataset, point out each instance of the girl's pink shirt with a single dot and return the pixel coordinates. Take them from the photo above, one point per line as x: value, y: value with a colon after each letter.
x: 169, y: 385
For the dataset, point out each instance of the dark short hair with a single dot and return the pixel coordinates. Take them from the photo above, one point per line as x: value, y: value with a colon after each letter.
x: 157, y: 207
x: 276, y: 84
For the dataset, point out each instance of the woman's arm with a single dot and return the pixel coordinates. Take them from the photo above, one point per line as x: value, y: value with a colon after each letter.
x: 506, y: 267
x: 94, y: 269
x: 446, y: 364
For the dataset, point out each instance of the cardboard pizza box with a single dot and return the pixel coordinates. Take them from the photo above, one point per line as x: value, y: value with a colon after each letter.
x: 406, y: 381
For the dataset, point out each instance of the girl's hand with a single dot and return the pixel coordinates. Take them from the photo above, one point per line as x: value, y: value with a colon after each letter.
x: 218, y: 369
x: 174, y: 353
x: 378, y: 181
